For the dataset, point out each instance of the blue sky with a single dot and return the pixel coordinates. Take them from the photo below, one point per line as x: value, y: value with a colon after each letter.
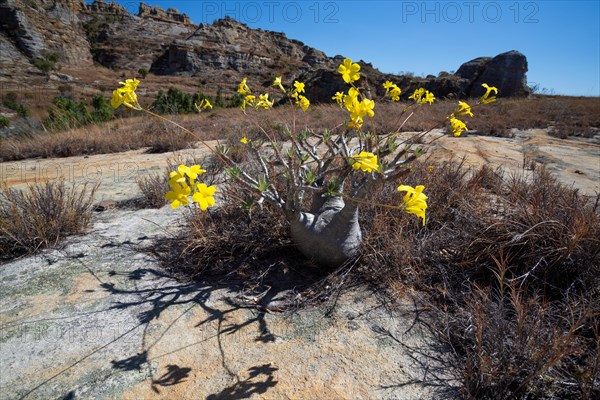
x: 561, y: 39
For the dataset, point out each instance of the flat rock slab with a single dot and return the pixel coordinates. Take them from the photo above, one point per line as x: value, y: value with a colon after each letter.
x: 574, y: 161
x: 100, y: 319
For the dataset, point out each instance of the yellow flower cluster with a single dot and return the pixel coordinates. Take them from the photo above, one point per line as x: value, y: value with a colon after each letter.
x: 422, y: 96
x: 414, y: 200
x: 456, y: 125
x: 125, y: 95
x: 392, y: 90
x: 486, y: 99
x: 300, y: 100
x: 365, y: 161
x: 358, y: 108
x: 183, y: 184
x: 262, y: 102
x: 204, y: 104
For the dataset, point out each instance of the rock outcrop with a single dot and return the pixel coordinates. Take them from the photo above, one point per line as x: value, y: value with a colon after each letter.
x: 39, y: 28
x: 40, y: 35
x: 101, y: 7
x: 228, y: 45
x: 506, y: 71
x: 169, y: 15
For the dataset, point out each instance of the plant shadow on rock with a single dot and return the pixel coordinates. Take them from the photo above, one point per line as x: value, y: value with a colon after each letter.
x: 168, y: 292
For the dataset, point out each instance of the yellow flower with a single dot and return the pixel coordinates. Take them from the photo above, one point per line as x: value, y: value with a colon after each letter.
x: 356, y: 123
x: 485, y: 99
x: 244, y: 140
x: 417, y: 95
x: 365, y: 161
x: 414, y: 200
x: 302, y: 102
x: 298, y: 87
x: 457, y: 126
x: 249, y: 100
x: 204, y: 104
x: 243, y: 87
x: 192, y: 171
x: 463, y: 109
x: 362, y: 108
x: 277, y: 82
x: 393, y: 90
x: 422, y: 96
x: 338, y: 97
x: 179, y: 195
x: 177, y: 178
x: 429, y: 98
x: 126, y: 94
x: 395, y: 93
x: 204, y: 196
x: 264, y: 102
x: 351, y: 99
x: 349, y: 71
x: 430, y: 168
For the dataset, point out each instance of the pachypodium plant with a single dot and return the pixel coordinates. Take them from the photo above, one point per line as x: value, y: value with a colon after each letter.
x: 319, y: 179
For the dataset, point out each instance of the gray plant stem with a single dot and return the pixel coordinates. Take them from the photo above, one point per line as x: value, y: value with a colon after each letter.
x: 330, y: 233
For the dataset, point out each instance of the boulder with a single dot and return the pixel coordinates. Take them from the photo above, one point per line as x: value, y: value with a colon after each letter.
x: 507, y: 72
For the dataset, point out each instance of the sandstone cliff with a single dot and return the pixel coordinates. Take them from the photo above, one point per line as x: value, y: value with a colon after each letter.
x: 39, y: 36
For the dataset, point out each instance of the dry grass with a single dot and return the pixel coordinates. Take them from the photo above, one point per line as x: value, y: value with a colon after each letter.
x: 112, y: 137
x: 511, y: 268
x: 567, y: 116
x: 30, y: 221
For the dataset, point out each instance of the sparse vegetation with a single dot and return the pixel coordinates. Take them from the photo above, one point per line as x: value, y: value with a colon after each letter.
x: 47, y: 62
x: 66, y: 114
x: 174, y: 101
x: 578, y: 116
x: 509, y: 268
x: 143, y: 71
x: 11, y: 101
x: 41, y: 217
x: 95, y: 139
x: 4, y: 122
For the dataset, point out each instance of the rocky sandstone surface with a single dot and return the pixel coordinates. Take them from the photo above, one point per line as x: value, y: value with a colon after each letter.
x: 99, y: 317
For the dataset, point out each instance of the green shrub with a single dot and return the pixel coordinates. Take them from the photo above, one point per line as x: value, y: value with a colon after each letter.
x: 47, y: 62
x: 219, y: 100
x: 10, y: 101
x: 103, y: 111
x: 177, y: 102
x: 4, y: 122
x: 235, y: 101
x: 143, y: 71
x: 66, y: 114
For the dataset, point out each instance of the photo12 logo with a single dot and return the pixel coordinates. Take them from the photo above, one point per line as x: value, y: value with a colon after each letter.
x: 272, y: 11
x: 470, y: 11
